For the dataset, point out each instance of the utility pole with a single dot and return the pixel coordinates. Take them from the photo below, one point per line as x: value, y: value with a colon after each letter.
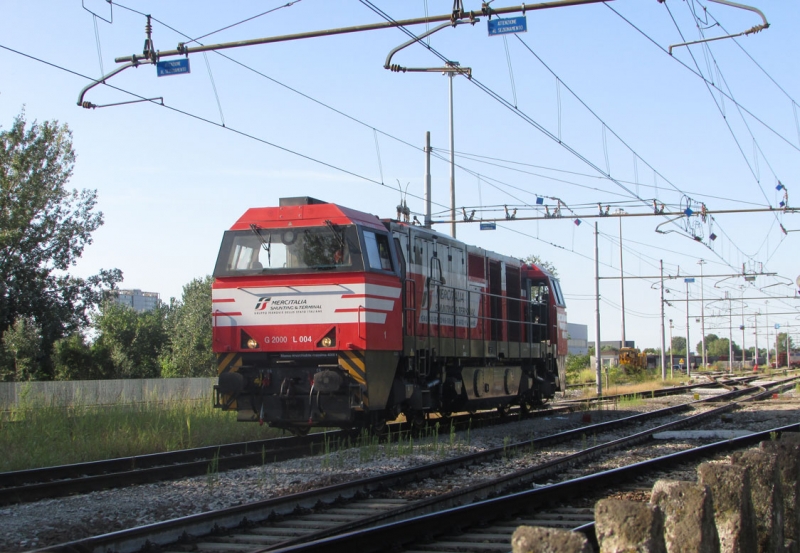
x: 597, y: 361
x: 427, y: 179
x: 688, y: 347
x: 767, y: 303
x: 702, y: 314
x: 730, y: 334
x: 450, y: 74
x: 663, y: 345
x: 755, y: 359
x: 744, y: 350
x: 622, y: 285
x: 671, y: 362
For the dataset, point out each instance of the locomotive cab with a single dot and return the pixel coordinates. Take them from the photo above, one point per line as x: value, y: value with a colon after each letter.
x: 303, y: 299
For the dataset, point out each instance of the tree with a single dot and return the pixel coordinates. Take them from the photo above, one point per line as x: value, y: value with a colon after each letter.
x: 678, y: 346
x: 130, y: 343
x: 780, y: 343
x: 190, y: 352
x: 44, y: 228
x: 709, y: 339
x: 575, y: 364
x: 73, y: 359
x: 539, y: 262
x: 23, y: 342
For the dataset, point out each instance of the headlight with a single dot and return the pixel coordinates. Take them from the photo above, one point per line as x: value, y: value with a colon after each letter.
x: 327, y: 342
x: 252, y: 343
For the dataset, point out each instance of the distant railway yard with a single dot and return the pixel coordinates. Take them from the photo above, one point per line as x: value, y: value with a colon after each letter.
x: 338, y: 490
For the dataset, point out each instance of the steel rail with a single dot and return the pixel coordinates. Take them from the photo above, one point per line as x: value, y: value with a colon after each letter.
x: 389, y: 537
x: 58, y: 481
x: 131, y: 540
x: 51, y: 482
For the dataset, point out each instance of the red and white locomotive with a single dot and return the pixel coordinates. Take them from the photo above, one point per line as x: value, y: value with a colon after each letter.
x: 327, y: 316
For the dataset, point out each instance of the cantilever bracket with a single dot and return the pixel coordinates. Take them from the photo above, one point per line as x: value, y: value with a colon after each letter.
x: 102, y: 80
x: 658, y: 228
x: 755, y: 29
x: 395, y: 67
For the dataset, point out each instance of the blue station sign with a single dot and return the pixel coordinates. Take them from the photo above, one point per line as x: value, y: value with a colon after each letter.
x: 490, y: 225
x: 508, y: 25
x: 172, y: 67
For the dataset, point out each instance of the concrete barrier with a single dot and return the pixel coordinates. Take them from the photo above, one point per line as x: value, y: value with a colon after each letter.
x: 746, y: 506
x: 536, y: 539
x: 788, y: 455
x: 61, y: 393
x: 629, y: 526
x: 767, y: 497
x: 733, y: 508
x: 688, y: 516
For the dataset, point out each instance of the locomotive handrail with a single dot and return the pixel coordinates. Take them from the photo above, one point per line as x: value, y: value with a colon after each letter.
x: 358, y: 311
x: 406, y: 301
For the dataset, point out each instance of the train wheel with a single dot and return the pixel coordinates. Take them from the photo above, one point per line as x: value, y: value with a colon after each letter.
x: 416, y: 419
x: 377, y: 425
x: 502, y: 411
x: 300, y: 431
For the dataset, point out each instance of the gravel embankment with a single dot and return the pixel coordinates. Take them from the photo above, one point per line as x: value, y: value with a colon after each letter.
x: 48, y: 522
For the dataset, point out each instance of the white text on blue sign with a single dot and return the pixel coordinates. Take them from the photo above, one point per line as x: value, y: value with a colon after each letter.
x: 175, y: 67
x: 509, y: 25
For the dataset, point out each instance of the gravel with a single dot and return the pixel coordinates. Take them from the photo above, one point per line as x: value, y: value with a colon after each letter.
x: 48, y: 522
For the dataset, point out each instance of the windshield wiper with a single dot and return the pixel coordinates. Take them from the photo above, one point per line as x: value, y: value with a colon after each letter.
x: 335, y: 231
x: 266, y: 244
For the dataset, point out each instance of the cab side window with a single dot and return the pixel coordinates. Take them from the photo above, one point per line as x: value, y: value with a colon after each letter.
x: 378, y: 253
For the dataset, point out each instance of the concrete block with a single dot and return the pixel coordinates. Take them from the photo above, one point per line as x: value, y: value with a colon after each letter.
x: 537, y: 539
x: 791, y: 437
x: 767, y: 496
x: 788, y: 454
x: 629, y: 526
x: 688, y: 516
x: 733, y: 507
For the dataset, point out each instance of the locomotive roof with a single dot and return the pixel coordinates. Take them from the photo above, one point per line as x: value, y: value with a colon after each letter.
x: 446, y: 239
x: 313, y: 213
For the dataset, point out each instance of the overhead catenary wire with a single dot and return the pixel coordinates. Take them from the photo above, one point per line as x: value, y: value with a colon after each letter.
x: 481, y: 158
x: 725, y: 119
x: 232, y: 25
x: 214, y: 88
x: 702, y: 77
x: 374, y: 131
x: 756, y: 147
x: 251, y: 68
x: 497, y: 97
x: 210, y: 122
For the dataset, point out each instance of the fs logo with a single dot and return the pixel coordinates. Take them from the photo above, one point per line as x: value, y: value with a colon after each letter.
x: 262, y: 303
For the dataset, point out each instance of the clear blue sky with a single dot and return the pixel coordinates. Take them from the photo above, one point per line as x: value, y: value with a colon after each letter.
x: 169, y: 184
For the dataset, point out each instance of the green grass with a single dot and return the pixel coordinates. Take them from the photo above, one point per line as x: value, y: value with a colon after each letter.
x: 34, y: 435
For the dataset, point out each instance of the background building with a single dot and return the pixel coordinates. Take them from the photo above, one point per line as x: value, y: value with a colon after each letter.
x: 577, y: 343
x: 140, y: 301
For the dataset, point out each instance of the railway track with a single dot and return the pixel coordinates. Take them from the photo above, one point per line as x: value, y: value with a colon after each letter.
x: 269, y: 523
x: 59, y: 481
x: 51, y: 482
x: 488, y: 525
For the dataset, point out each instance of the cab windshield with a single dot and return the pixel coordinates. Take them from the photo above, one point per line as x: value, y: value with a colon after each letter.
x: 298, y: 249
